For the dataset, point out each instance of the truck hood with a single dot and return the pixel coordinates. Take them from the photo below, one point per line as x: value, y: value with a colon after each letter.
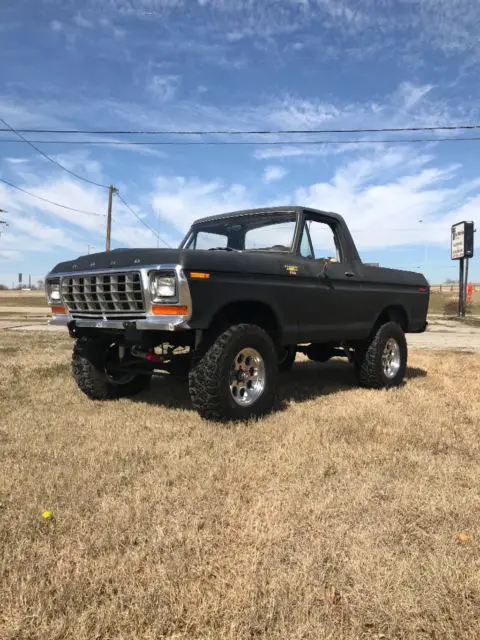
x: 232, y: 261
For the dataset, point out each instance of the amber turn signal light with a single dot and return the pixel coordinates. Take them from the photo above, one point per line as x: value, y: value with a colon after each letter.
x: 59, y: 311
x: 199, y: 275
x: 168, y: 310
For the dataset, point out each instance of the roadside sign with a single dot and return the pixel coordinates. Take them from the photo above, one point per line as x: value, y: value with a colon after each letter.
x: 462, y: 240
x: 461, y: 249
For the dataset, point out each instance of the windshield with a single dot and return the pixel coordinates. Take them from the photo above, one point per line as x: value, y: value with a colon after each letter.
x: 272, y: 232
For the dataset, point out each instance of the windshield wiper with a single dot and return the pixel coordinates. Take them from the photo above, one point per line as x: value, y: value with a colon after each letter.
x: 222, y: 249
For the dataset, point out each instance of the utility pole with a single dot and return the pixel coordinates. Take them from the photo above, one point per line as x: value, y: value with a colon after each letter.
x: 111, y: 191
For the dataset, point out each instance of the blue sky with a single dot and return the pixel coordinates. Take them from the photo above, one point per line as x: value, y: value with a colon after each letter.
x: 240, y: 64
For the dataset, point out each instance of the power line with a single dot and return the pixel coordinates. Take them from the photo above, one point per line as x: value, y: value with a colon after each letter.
x: 245, y: 142
x: 142, y: 221
x: 56, y: 204
x: 47, y: 157
x: 235, y: 132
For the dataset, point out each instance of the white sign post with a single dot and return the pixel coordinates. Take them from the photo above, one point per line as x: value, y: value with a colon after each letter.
x: 461, y: 248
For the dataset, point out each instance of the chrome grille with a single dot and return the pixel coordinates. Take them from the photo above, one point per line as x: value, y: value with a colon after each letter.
x: 104, y: 294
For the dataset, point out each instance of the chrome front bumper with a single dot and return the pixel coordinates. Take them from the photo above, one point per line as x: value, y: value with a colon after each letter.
x: 150, y: 323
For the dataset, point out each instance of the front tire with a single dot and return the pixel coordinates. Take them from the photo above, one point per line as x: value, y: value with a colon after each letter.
x: 236, y: 377
x: 90, y: 361
x: 382, y: 362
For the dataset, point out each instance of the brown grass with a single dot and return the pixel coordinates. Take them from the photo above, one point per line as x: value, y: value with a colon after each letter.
x: 22, y: 299
x: 446, y: 303
x: 336, y: 517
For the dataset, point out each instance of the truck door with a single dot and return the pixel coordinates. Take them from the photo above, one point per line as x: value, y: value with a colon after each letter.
x: 330, y: 283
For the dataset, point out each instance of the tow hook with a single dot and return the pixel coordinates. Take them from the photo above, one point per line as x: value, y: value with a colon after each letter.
x: 150, y: 356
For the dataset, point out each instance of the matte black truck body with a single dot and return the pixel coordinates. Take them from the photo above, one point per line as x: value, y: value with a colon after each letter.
x: 342, y: 303
x: 295, y: 298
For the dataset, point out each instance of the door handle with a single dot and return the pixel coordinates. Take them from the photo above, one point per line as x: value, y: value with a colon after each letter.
x: 349, y: 274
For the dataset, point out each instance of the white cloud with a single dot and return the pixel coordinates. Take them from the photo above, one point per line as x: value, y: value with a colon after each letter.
x: 16, y: 161
x: 164, y: 87
x: 268, y: 153
x: 8, y: 255
x: 383, y: 194
x: 82, y: 22
x: 56, y: 25
x: 408, y: 105
x: 294, y: 151
x: 361, y: 28
x: 43, y: 227
x: 413, y: 94
x: 274, y: 173
x: 182, y: 200
x: 383, y: 198
x: 291, y: 112
x: 118, y: 32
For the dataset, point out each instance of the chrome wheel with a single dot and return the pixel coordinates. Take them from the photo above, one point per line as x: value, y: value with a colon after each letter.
x: 247, y: 377
x: 391, y: 358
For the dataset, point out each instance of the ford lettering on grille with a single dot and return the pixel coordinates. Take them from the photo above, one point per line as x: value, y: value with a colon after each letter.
x: 104, y: 294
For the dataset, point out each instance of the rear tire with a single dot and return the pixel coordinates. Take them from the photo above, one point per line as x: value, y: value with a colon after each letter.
x: 90, y: 371
x: 382, y: 362
x: 219, y: 383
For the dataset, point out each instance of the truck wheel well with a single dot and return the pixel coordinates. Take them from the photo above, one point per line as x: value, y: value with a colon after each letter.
x: 250, y: 312
x: 395, y: 313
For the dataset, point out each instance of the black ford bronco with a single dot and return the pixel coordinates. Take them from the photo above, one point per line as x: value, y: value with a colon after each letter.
x: 232, y: 306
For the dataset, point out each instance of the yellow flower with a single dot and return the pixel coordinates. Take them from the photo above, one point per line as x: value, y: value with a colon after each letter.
x: 464, y: 537
x: 48, y: 515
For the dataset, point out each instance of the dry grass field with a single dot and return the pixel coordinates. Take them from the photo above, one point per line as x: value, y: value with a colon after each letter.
x: 446, y: 303
x: 336, y: 517
x: 22, y: 299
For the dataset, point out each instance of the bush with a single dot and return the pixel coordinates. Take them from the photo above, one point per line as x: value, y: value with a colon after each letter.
x: 451, y: 307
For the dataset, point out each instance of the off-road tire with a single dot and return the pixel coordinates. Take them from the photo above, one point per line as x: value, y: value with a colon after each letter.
x: 368, y: 358
x: 209, y: 381
x: 88, y: 368
x: 285, y: 363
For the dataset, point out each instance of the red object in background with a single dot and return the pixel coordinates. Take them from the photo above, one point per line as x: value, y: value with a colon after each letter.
x: 470, y: 293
